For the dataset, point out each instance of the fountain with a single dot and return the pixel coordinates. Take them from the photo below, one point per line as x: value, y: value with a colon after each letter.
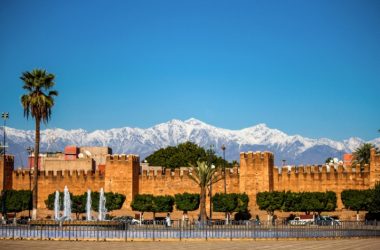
x: 66, y: 204
x: 102, y: 206
x: 56, y: 206
x: 88, y: 205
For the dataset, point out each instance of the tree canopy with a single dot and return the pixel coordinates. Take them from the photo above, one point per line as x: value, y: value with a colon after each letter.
x: 17, y: 200
x: 356, y: 200
x: 183, y: 155
x: 362, y: 154
x: 187, y: 202
x: 296, y: 202
x: 149, y: 203
x: 230, y: 202
x: 142, y: 203
x: 374, y: 205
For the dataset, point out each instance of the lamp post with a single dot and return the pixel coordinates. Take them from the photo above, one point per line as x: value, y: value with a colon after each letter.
x: 31, y: 170
x: 5, y: 117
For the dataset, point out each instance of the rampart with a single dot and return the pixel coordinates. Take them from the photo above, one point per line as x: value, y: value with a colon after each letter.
x: 256, y: 174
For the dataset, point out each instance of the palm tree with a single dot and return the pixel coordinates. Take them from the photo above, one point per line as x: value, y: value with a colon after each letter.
x: 204, y: 176
x: 362, y: 154
x: 37, y: 103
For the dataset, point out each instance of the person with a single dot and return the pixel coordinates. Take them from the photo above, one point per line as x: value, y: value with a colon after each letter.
x: 274, y: 217
x: 168, y: 221
x: 257, y: 220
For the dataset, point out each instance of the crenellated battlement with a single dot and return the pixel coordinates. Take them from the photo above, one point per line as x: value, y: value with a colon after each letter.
x: 180, y: 173
x: 122, y: 158
x: 60, y: 174
x: 322, y: 169
x: 257, y: 156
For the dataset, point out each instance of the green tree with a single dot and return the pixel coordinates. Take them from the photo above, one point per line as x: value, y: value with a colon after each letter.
x: 142, y: 203
x: 362, y: 154
x: 162, y: 203
x: 329, y: 159
x: 114, y: 201
x: 226, y: 203
x: 292, y: 202
x: 78, y: 204
x: 184, y: 154
x: 203, y: 175
x: 356, y: 200
x: 296, y: 202
x: 374, y: 205
x: 270, y: 201
x: 311, y: 202
x: 17, y: 200
x: 49, y: 202
x: 186, y: 202
x: 37, y: 103
x: 242, y: 203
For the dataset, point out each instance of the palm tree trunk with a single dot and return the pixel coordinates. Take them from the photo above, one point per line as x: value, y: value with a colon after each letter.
x: 35, y: 173
x: 203, y: 205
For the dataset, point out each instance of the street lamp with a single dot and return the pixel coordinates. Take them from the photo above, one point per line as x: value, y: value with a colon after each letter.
x: 5, y: 117
x: 224, y: 168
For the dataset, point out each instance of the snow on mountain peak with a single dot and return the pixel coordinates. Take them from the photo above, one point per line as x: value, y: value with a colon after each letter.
x: 294, y: 148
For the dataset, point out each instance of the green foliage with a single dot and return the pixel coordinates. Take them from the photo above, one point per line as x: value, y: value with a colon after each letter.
x: 296, y: 202
x: 49, y: 202
x: 185, y: 154
x: 356, y: 200
x: 374, y: 205
x: 270, y: 201
x: 230, y: 202
x: 142, y: 203
x: 242, y: 200
x: 362, y: 154
x: 17, y: 200
x: 163, y: 203
x: 187, y: 202
x: 150, y: 203
x: 224, y: 202
x: 329, y: 159
x: 114, y: 201
x: 78, y: 204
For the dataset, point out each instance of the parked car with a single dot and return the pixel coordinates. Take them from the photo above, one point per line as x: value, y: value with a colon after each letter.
x: 327, y: 221
x: 127, y: 219
x: 302, y: 220
x: 23, y: 220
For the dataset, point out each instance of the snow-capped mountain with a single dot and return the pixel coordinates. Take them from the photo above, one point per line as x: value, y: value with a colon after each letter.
x: 295, y: 149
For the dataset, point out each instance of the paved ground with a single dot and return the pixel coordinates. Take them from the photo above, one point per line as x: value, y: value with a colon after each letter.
x: 367, y: 244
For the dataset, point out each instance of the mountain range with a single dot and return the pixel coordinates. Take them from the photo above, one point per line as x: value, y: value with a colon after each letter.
x: 295, y: 149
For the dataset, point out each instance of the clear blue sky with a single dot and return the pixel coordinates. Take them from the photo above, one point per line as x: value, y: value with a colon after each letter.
x: 304, y: 67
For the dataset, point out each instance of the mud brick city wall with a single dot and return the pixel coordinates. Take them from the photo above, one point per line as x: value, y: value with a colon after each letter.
x: 122, y: 176
x: 256, y: 174
x: 6, y: 168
